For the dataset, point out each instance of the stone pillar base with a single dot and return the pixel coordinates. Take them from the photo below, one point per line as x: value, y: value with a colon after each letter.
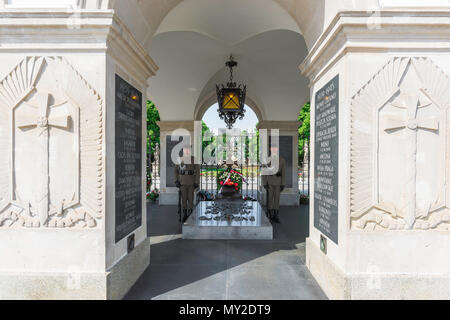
x: 112, y: 285
x: 168, y: 199
x: 286, y: 199
x: 339, y: 286
x: 328, y: 276
x: 171, y: 198
x: 290, y: 199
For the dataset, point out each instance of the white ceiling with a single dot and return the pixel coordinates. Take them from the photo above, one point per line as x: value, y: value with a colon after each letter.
x: 196, y: 38
x: 229, y: 21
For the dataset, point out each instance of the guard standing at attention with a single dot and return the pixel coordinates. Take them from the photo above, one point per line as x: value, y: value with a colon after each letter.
x: 187, y: 179
x: 274, y: 182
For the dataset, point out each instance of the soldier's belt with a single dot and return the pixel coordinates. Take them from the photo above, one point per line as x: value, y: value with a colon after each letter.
x: 188, y: 173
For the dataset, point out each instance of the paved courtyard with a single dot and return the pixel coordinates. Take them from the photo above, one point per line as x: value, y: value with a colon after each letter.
x: 226, y: 270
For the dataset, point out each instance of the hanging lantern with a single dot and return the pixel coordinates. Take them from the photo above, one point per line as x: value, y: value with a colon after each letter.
x: 231, y: 98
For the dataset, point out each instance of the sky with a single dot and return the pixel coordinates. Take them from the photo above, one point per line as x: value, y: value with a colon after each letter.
x: 212, y: 120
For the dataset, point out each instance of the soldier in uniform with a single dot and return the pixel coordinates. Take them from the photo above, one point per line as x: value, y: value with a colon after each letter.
x: 187, y: 179
x: 274, y: 183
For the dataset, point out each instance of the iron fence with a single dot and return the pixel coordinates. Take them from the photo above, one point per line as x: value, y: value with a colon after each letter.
x: 246, y: 149
x: 240, y: 150
x: 153, y: 171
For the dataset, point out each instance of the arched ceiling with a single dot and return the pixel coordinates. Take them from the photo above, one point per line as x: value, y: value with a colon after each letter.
x: 230, y: 21
x: 144, y: 17
x: 190, y: 40
x: 147, y: 17
x: 191, y: 64
x: 196, y: 38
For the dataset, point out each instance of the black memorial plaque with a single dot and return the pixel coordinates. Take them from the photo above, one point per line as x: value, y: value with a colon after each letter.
x: 326, y: 157
x: 170, y: 165
x: 285, y: 149
x: 128, y: 158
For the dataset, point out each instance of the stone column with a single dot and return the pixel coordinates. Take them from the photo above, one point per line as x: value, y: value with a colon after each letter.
x: 63, y: 234
x: 168, y: 192
x: 380, y: 165
x: 288, y: 131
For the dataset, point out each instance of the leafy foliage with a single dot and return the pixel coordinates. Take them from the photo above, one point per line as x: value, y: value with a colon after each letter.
x: 250, y: 144
x: 229, y: 177
x: 153, y: 195
x: 304, y: 130
x: 205, y: 131
x: 152, y: 127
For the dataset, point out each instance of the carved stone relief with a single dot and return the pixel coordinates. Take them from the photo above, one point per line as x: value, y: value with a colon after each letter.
x: 51, y: 147
x: 400, y: 148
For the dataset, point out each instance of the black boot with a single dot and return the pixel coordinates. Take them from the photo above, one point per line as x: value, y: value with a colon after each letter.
x: 270, y: 215
x: 185, y: 215
x: 275, y: 217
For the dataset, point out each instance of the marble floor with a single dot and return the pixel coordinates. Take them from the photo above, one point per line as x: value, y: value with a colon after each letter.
x: 226, y: 269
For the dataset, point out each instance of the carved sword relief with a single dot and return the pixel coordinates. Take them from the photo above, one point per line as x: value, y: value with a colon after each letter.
x: 411, y: 123
x: 42, y: 122
x: 51, y: 147
x: 400, y: 159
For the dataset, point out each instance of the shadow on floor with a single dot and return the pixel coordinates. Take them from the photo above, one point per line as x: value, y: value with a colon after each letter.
x: 226, y: 270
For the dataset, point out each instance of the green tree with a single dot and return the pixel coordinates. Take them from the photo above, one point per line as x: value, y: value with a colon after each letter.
x: 246, y: 141
x: 304, y: 130
x: 254, y: 142
x: 152, y: 127
x: 205, y: 131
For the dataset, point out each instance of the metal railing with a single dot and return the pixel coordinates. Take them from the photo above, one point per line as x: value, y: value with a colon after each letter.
x: 243, y: 153
x: 153, y: 171
x: 249, y: 168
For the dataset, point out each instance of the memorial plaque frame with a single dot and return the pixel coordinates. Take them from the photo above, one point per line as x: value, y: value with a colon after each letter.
x: 326, y: 160
x: 285, y: 149
x: 286, y: 152
x: 170, y: 165
x: 128, y: 159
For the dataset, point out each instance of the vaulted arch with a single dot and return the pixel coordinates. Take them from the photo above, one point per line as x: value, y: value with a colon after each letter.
x: 144, y: 18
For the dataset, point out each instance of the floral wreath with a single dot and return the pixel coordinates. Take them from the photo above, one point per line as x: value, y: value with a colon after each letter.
x: 230, y: 178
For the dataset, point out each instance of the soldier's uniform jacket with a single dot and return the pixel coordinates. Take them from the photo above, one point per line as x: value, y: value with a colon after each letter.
x: 188, y: 174
x: 276, y: 178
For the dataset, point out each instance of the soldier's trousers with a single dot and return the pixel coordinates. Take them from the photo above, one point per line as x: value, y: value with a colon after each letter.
x: 187, y: 197
x: 274, y: 197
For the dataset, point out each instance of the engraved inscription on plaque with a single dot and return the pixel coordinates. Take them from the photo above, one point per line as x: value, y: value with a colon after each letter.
x: 128, y: 158
x: 326, y: 160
